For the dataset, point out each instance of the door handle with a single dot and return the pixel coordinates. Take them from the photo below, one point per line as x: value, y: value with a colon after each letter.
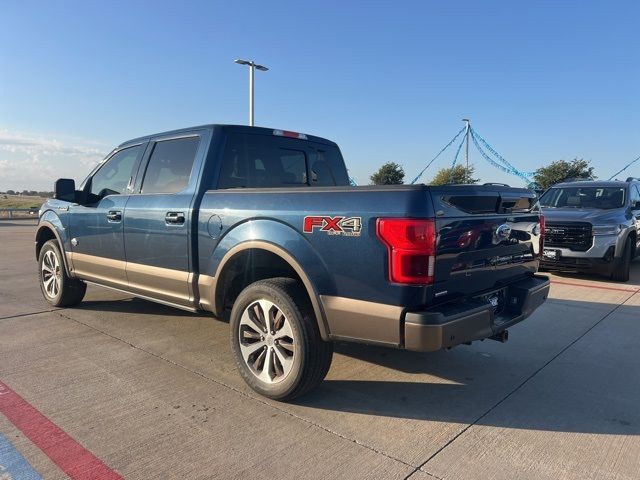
x: 114, y: 215
x: 174, y: 218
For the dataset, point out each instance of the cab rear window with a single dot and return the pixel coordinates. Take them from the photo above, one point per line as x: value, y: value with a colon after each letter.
x: 260, y: 161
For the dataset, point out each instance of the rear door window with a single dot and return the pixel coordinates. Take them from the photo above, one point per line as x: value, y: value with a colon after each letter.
x: 169, y: 167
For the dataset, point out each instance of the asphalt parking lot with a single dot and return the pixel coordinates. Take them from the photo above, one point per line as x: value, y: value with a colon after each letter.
x: 146, y: 391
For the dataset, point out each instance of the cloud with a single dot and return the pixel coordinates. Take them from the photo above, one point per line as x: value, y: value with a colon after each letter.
x: 33, y: 162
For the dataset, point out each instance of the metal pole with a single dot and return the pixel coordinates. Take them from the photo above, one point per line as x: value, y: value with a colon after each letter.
x: 466, y: 173
x: 252, y: 68
x: 251, y: 73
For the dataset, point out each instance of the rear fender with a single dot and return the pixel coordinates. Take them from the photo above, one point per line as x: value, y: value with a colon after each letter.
x: 289, y: 245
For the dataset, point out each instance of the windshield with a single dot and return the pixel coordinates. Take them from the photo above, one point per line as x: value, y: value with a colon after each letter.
x: 584, y: 197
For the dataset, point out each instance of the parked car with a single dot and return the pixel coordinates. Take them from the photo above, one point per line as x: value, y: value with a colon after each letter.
x: 592, y: 227
x: 261, y: 227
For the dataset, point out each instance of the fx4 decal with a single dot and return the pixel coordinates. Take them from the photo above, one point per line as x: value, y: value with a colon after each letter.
x: 347, y: 226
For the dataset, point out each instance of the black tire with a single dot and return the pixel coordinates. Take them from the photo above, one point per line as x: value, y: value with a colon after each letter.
x: 312, y: 356
x: 69, y: 291
x: 621, y: 270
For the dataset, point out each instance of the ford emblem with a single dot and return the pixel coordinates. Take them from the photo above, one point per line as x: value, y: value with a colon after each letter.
x: 503, y: 231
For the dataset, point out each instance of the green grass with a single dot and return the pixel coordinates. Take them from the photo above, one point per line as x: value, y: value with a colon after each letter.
x: 18, y: 201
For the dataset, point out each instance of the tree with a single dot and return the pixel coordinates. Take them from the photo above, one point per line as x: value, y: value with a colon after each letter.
x: 389, y: 174
x: 561, y: 170
x: 459, y: 174
x: 11, y: 192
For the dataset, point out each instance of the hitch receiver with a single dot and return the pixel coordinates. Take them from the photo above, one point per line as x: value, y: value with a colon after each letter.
x: 501, y: 337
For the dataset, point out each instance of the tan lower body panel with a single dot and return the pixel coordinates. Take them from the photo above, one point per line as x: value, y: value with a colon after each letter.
x: 359, y: 320
x: 161, y: 283
x: 206, y: 287
x: 154, y: 282
x: 99, y: 269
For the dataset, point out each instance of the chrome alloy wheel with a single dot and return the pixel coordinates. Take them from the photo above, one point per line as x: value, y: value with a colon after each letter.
x: 266, y: 341
x: 51, y: 274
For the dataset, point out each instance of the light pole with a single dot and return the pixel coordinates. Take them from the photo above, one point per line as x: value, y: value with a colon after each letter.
x: 468, y: 126
x: 252, y: 66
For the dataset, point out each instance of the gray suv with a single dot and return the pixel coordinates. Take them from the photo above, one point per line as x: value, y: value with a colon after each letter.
x: 592, y: 227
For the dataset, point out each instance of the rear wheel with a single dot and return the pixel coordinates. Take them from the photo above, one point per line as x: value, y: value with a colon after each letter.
x: 621, y: 271
x: 275, y: 339
x: 57, y: 287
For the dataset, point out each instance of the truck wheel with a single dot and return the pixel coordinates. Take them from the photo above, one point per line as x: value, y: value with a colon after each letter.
x: 57, y: 287
x: 275, y: 339
x: 621, y: 272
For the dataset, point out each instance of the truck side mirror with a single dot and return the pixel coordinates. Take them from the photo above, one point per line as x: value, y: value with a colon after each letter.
x: 65, y: 189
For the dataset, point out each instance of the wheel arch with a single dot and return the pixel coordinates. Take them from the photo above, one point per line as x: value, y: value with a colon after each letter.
x: 48, y: 231
x: 276, y: 249
x: 272, y: 261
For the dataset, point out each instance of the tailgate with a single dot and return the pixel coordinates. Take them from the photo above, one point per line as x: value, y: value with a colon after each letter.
x: 488, y: 235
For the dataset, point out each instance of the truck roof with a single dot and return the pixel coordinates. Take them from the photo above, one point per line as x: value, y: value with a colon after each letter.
x: 225, y: 128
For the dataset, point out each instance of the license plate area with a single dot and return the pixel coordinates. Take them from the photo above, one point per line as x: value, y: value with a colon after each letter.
x: 551, y: 254
x: 497, y: 299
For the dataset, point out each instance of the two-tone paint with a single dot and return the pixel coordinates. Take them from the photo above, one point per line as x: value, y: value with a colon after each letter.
x: 227, y: 237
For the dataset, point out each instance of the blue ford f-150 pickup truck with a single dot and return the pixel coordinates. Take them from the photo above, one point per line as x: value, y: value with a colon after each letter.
x: 261, y: 227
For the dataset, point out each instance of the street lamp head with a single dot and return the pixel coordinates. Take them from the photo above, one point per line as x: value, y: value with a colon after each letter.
x: 251, y: 63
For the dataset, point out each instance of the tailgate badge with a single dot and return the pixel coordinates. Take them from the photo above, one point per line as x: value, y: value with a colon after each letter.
x: 493, y: 300
x: 503, y: 231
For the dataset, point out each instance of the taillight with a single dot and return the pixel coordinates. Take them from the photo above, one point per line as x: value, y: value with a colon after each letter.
x: 542, y: 227
x: 412, y: 248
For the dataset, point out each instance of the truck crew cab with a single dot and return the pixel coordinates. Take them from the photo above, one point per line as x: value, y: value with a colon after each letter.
x: 261, y: 227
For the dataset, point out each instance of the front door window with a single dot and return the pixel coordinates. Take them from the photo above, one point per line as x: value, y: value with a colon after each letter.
x: 115, y: 175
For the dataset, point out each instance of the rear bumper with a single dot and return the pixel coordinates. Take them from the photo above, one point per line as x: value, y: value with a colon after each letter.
x: 454, y: 324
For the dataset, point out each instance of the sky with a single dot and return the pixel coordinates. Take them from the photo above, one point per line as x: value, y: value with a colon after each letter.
x: 387, y: 81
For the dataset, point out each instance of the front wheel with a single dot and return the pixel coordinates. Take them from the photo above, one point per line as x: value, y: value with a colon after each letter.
x: 621, y: 272
x: 57, y: 287
x: 275, y: 339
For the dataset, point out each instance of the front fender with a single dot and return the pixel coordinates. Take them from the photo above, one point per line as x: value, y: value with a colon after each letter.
x: 288, y: 244
x: 49, y: 220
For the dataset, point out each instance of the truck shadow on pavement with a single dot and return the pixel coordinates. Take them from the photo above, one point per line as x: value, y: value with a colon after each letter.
x: 133, y: 306
x: 584, y: 380
x: 540, y: 410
